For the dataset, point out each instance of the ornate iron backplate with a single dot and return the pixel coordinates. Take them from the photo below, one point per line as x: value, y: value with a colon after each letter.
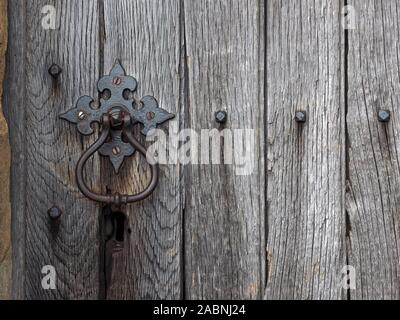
x: 116, y: 92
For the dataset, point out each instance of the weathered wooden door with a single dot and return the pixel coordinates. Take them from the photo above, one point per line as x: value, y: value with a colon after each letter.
x: 321, y: 200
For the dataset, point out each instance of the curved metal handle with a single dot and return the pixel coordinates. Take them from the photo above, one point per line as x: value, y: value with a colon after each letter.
x: 117, y: 198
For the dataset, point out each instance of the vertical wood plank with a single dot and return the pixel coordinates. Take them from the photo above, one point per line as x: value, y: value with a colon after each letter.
x: 5, y: 157
x: 50, y: 148
x: 224, y: 212
x: 305, y: 162
x: 145, y: 36
x: 374, y: 170
x: 15, y: 62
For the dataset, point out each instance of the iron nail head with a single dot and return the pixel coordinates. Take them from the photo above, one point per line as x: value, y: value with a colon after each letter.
x: 54, y: 212
x: 384, y: 115
x: 300, y: 116
x: 55, y: 70
x: 221, y: 116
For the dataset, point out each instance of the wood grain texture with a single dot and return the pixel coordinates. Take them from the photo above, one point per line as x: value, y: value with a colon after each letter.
x: 327, y: 195
x: 305, y: 162
x: 374, y: 172
x: 15, y: 62
x: 224, y: 212
x: 145, y: 36
x: 49, y: 148
x: 5, y: 158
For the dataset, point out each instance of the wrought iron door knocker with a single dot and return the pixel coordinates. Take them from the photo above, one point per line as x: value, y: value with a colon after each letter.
x: 117, y: 114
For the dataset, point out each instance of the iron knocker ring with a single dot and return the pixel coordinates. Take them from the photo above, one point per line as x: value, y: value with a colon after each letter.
x: 116, y: 199
x: 117, y: 112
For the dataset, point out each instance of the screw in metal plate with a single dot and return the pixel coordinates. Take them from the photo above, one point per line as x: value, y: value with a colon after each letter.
x: 55, y: 70
x: 150, y: 115
x: 81, y: 115
x: 116, y: 151
x: 221, y: 116
x: 54, y: 212
x: 384, y: 115
x: 117, y: 81
x: 300, y: 116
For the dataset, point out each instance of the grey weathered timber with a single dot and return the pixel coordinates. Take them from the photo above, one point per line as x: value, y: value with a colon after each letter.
x: 5, y: 159
x: 15, y: 119
x: 321, y: 195
x: 224, y: 212
x: 373, y: 185
x: 305, y: 162
x: 145, y: 36
x: 45, y: 149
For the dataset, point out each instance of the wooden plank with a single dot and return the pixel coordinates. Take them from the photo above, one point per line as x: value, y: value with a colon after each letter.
x: 374, y: 170
x: 305, y: 162
x: 50, y: 148
x: 224, y: 211
x: 12, y: 96
x: 145, y: 36
x: 5, y: 206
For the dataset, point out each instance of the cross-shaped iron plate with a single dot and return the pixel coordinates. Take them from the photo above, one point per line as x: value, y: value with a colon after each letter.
x: 116, y: 91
